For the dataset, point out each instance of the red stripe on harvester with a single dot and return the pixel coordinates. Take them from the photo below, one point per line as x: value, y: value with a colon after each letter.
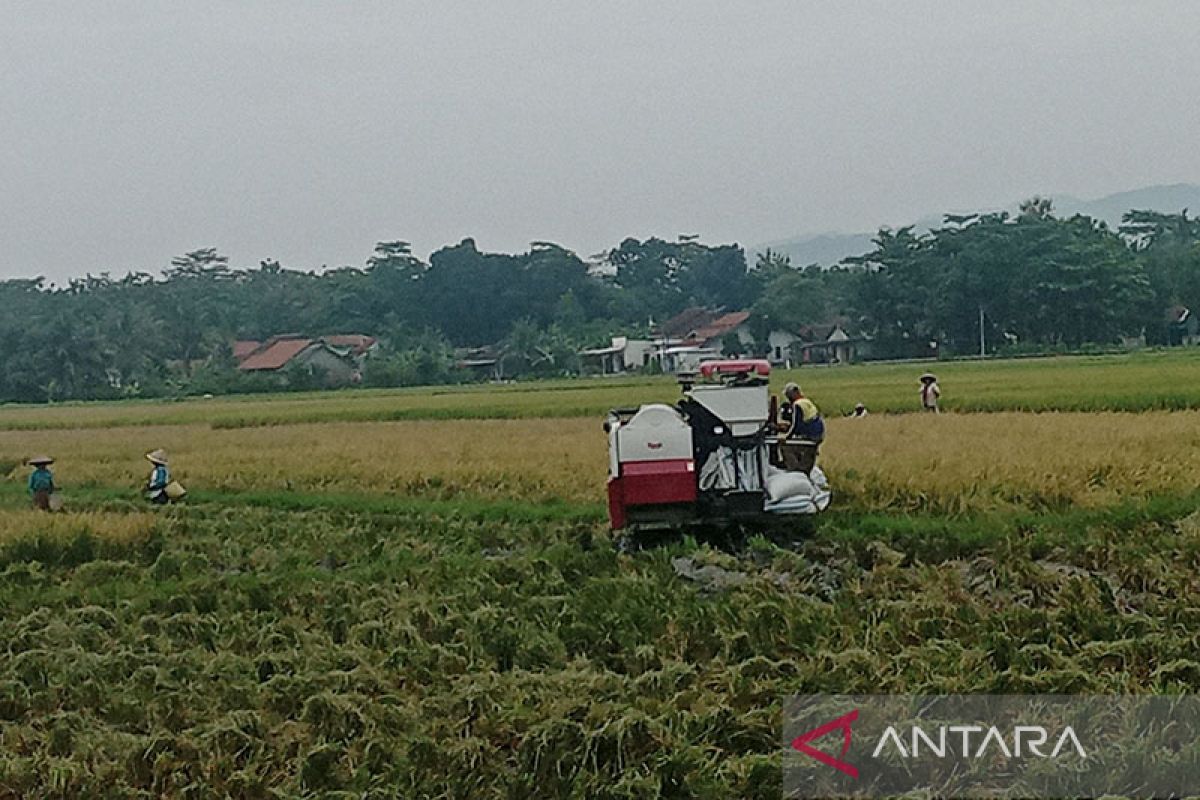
x: 671, y: 466
x: 658, y: 482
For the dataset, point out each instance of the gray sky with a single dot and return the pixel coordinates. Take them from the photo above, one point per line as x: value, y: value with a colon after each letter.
x: 134, y: 131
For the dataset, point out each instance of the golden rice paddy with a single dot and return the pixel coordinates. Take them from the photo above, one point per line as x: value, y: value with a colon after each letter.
x: 947, y: 462
x: 113, y: 527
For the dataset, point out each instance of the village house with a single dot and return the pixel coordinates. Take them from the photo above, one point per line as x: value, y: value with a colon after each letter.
x: 339, y: 359
x: 698, y: 334
x: 622, y: 355
x: 825, y: 344
x: 779, y: 346
x: 484, y: 363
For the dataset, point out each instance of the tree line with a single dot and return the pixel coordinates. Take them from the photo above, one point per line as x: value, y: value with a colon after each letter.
x: 1026, y: 281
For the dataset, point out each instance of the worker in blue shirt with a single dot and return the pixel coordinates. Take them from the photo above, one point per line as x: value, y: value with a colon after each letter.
x: 160, y: 476
x: 41, y: 482
x: 802, y: 430
x: 804, y: 421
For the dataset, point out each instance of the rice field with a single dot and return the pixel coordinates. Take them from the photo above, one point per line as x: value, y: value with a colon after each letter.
x: 1162, y: 380
x: 948, y: 463
x: 388, y: 594
x: 115, y: 528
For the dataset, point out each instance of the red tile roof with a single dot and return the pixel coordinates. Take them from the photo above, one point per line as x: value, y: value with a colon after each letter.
x: 275, y: 354
x: 686, y: 321
x: 721, y: 326
x: 244, y: 347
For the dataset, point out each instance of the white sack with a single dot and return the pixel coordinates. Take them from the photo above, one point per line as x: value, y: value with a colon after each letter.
x: 782, y: 485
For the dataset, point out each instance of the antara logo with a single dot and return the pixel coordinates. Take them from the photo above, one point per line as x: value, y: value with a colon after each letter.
x: 975, y: 741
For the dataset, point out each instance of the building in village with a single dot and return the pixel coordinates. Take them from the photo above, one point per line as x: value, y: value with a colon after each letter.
x: 827, y: 343
x: 484, y: 363
x: 622, y: 355
x: 339, y: 359
x: 699, y: 333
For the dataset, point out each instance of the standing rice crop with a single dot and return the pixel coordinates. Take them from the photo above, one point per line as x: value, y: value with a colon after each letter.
x: 948, y: 462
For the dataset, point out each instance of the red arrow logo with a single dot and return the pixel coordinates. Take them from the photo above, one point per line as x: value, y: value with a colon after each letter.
x: 801, y: 743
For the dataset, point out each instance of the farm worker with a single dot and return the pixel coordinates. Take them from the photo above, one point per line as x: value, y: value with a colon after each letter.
x: 930, y: 392
x: 802, y: 429
x: 802, y: 415
x: 859, y: 410
x: 41, y: 481
x: 160, y: 476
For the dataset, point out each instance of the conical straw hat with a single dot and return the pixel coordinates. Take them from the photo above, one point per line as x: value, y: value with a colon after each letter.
x: 157, y: 456
x: 37, y: 461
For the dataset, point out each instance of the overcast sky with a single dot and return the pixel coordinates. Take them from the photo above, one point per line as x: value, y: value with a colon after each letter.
x: 134, y: 131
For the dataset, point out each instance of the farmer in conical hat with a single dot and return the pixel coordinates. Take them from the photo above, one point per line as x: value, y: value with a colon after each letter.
x: 160, y: 476
x: 41, y: 481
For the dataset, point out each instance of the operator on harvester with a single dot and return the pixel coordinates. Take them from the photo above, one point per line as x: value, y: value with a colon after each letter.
x: 802, y: 426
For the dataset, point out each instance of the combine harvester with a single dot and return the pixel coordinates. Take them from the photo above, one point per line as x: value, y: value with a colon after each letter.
x: 712, y: 459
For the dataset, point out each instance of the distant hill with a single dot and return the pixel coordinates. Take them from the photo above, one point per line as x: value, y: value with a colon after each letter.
x: 1167, y: 199
x: 830, y: 248
x: 823, y: 248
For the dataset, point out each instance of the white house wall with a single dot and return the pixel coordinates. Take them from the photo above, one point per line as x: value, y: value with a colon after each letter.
x: 636, y: 353
x: 780, y: 343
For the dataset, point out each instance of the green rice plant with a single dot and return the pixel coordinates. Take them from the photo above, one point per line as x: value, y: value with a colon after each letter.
x: 537, y: 668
